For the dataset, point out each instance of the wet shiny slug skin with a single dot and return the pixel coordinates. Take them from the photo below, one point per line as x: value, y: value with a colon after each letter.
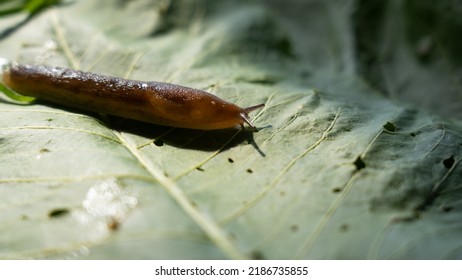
x: 153, y: 102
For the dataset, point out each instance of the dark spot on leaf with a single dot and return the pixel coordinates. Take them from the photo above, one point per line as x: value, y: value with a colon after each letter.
x: 230, y: 160
x: 113, y: 224
x: 407, y: 219
x: 424, y: 47
x: 447, y: 208
x: 389, y: 127
x: 282, y: 193
x: 285, y: 47
x: 159, y: 142
x: 249, y: 170
x: 49, y: 120
x: 294, y: 228
x: 344, y: 227
x: 260, y: 80
x: 359, y: 163
x: 58, y: 212
x: 449, y: 162
x: 200, y: 169
x: 44, y: 150
x: 257, y: 255
x: 412, y: 134
x: 336, y: 190
x: 305, y: 74
x: 24, y: 217
x: 427, y: 202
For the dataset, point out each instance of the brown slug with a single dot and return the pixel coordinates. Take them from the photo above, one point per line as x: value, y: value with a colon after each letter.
x: 153, y: 102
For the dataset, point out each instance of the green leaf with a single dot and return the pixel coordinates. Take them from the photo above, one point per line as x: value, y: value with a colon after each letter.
x: 34, y: 6
x: 349, y: 163
x: 15, y: 96
x: 8, y: 7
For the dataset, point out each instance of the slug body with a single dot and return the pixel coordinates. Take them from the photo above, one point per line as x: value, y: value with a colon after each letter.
x: 153, y: 102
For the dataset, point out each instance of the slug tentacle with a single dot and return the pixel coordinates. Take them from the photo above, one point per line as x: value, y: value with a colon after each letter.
x: 253, y: 108
x: 247, y: 120
x: 153, y: 102
x: 245, y: 116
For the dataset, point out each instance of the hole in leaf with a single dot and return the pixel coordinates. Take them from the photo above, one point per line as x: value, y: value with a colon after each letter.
x: 58, y: 212
x: 159, y: 142
x: 230, y: 160
x: 359, y: 163
x: 412, y: 134
x: 389, y: 127
x: 449, y: 162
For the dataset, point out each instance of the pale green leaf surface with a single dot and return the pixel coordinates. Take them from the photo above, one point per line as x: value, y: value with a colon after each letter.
x: 326, y: 178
